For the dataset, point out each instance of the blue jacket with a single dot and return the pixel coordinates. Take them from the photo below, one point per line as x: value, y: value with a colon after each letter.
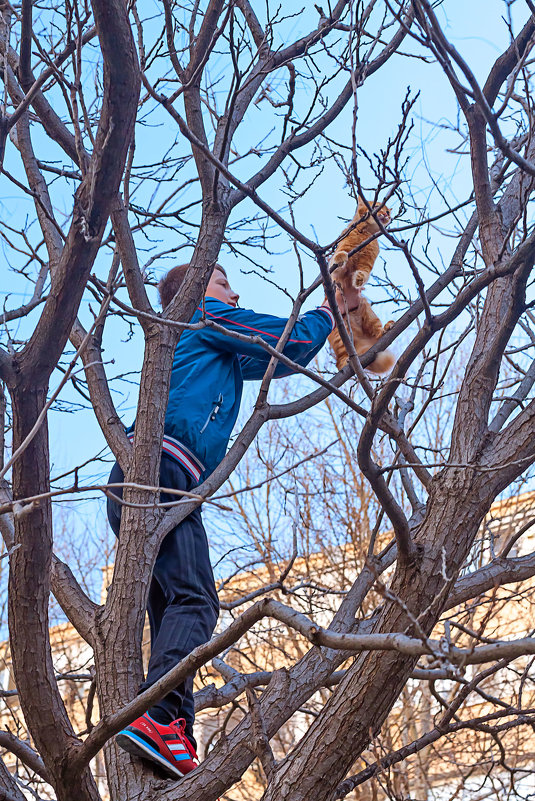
x: 209, y: 369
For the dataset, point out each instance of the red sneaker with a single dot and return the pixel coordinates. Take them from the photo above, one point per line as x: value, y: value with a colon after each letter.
x: 166, y: 746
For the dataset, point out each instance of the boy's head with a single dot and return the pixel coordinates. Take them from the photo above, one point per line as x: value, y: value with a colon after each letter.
x: 218, y: 285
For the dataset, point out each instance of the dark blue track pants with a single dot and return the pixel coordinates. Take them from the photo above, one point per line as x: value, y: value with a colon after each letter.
x: 182, y: 604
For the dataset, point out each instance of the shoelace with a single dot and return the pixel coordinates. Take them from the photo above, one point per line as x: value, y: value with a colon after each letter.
x: 180, y: 725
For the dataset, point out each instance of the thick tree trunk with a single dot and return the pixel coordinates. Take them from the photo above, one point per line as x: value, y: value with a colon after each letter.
x: 362, y: 701
x: 29, y: 591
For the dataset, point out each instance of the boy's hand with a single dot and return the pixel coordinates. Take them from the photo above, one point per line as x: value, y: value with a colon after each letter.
x: 349, y: 301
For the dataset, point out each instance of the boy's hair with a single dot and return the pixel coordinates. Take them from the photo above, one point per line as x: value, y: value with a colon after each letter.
x: 172, y: 281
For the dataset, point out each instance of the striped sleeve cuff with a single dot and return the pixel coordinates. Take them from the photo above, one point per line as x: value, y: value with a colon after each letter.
x: 327, y: 311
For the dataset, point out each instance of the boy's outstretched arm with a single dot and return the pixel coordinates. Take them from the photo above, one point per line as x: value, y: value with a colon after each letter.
x: 306, y: 338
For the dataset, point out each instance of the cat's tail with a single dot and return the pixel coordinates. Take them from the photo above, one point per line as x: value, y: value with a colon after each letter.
x: 383, y: 363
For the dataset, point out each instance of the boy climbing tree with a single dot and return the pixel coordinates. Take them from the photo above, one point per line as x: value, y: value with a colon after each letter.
x: 204, y: 399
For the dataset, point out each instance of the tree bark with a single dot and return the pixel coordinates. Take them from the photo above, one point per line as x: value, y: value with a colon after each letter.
x: 29, y: 591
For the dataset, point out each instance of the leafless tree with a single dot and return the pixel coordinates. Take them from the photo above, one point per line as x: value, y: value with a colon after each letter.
x: 205, y: 69
x: 448, y: 729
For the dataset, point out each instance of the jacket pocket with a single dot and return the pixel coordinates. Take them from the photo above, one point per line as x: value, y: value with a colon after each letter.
x: 213, y: 414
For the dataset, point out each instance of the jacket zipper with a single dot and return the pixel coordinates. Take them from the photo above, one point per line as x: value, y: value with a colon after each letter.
x: 217, y: 405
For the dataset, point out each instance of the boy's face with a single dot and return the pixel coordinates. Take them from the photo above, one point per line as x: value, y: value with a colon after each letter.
x: 220, y: 289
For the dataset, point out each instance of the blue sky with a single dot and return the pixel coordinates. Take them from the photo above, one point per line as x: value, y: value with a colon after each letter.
x: 480, y: 34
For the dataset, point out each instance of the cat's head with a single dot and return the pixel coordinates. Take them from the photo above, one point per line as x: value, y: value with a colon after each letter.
x: 370, y: 222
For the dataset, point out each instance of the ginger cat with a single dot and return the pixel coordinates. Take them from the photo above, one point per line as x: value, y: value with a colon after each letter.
x: 354, y: 271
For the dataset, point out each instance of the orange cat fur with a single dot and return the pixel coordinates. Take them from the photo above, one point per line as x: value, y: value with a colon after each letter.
x: 354, y: 271
x: 366, y: 329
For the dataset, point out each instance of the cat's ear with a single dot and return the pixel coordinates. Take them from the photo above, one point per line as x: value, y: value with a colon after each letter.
x: 362, y: 208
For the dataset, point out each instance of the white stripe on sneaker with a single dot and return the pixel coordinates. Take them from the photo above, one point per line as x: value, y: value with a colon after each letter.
x: 135, y: 745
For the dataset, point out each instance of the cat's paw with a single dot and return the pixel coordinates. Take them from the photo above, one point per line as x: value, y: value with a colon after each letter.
x: 339, y: 259
x: 387, y: 326
x: 376, y: 330
x: 359, y: 278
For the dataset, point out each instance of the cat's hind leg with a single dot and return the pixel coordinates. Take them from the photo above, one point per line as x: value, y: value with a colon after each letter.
x: 371, y: 324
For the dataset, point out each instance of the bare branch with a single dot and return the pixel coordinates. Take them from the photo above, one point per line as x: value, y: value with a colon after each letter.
x: 25, y: 753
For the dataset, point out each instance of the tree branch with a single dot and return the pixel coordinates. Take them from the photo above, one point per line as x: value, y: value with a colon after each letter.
x: 25, y: 753
x: 526, y: 718
x: 497, y: 573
